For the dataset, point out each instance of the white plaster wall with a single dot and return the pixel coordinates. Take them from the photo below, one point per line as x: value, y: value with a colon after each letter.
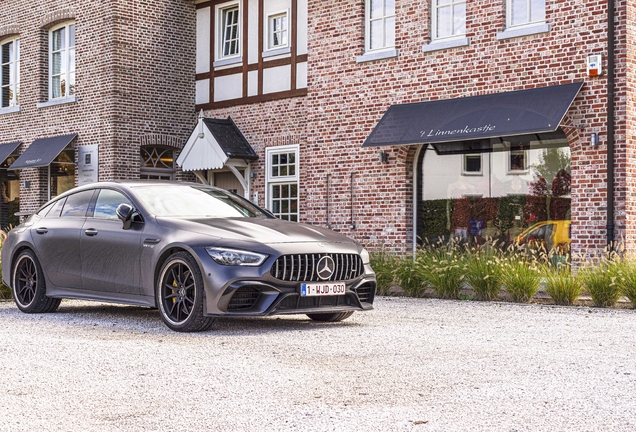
x: 202, y: 91
x: 301, y: 75
x: 252, y: 48
x: 252, y: 83
x: 203, y: 40
x: 277, y: 79
x: 302, y: 27
x: 228, y: 87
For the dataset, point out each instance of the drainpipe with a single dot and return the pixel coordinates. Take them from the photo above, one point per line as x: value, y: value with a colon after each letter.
x: 610, y: 124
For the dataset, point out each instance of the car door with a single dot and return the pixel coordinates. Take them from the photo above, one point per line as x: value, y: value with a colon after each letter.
x: 110, y: 254
x: 57, y: 239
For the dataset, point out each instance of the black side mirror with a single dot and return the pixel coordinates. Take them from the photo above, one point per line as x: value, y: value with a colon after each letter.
x: 125, y: 214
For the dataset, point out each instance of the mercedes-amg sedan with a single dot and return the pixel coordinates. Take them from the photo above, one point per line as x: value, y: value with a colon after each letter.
x: 194, y: 252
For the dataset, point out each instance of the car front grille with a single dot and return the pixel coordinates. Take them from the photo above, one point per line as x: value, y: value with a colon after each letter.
x: 304, y: 267
x: 244, y: 298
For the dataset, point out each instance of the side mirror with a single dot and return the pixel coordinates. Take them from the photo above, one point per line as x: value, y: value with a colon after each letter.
x: 125, y: 214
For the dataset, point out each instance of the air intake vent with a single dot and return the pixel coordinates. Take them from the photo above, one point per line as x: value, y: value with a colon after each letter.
x: 244, y: 298
x: 304, y: 267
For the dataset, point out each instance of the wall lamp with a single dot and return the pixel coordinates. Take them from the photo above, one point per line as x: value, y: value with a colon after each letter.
x: 384, y: 157
x: 594, y: 139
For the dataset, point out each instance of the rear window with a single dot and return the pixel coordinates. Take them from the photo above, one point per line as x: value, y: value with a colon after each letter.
x: 77, y: 204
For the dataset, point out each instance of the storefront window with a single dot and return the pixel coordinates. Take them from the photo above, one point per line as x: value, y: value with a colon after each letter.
x: 518, y: 191
x: 63, y: 172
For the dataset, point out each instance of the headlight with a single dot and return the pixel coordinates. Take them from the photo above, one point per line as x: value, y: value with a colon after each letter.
x: 366, y: 259
x: 235, y: 257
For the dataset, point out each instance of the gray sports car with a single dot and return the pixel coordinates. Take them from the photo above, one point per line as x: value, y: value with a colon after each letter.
x: 194, y: 252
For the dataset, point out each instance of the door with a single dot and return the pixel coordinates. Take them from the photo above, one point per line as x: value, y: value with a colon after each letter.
x: 110, y: 254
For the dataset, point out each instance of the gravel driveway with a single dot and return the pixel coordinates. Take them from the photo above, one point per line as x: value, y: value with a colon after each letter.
x: 411, y: 364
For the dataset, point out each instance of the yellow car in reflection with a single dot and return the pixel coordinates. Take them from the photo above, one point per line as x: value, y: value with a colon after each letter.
x: 550, y: 234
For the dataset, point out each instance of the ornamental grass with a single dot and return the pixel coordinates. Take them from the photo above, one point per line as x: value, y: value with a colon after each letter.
x: 521, y: 279
x: 627, y: 281
x: 601, y: 283
x: 484, y: 273
x: 443, y: 269
x: 561, y: 285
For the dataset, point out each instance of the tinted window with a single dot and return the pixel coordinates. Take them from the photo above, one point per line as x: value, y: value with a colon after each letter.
x: 53, y: 210
x: 77, y: 204
x: 107, y: 203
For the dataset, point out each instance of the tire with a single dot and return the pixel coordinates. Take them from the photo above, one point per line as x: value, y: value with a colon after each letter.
x: 330, y: 317
x: 180, y: 294
x: 29, y: 286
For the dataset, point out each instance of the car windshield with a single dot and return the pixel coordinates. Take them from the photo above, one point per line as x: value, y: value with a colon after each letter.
x: 195, y: 201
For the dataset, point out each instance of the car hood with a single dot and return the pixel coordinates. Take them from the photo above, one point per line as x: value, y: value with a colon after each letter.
x: 266, y: 231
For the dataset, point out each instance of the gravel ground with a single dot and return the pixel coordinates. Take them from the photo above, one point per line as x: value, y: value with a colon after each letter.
x: 410, y: 365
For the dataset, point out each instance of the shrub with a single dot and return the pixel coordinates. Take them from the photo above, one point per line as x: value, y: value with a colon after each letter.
x: 409, y: 279
x: 562, y: 285
x: 627, y: 281
x: 442, y: 269
x: 483, y: 273
x: 521, y: 279
x: 383, y: 264
x: 601, y: 283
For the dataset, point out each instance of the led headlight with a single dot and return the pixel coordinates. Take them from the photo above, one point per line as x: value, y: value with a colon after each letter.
x: 235, y: 257
x: 365, y: 256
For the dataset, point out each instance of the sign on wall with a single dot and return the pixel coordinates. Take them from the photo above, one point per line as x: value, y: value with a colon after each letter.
x: 87, y: 163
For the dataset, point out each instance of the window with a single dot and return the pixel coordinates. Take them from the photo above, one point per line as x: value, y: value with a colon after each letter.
x: 282, y: 179
x: 278, y: 26
x: 380, y: 24
x: 230, y: 32
x: 77, y: 204
x: 62, y: 61
x: 107, y: 203
x: 449, y: 18
x: 472, y: 164
x: 10, y: 73
x: 517, y: 161
x: 524, y: 12
x: 157, y: 163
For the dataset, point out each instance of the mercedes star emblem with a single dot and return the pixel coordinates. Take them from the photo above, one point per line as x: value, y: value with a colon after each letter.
x: 326, y: 267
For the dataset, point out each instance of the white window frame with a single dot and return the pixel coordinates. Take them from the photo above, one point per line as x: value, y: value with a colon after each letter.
x: 465, y: 165
x: 434, y: 23
x: 14, y: 71
x: 525, y: 162
x: 270, y: 30
x: 66, y: 55
x: 384, y: 17
x: 282, y: 180
x: 510, y: 25
x: 220, y: 11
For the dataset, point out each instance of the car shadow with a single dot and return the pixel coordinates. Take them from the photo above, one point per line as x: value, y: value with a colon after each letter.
x: 145, y: 319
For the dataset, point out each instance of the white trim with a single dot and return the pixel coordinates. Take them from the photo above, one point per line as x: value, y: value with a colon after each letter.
x: 367, y: 29
x: 10, y: 109
x: 227, y: 61
x: 442, y: 44
x: 452, y: 4
x: 377, y: 55
x: 14, y: 67
x: 519, y: 31
x: 65, y: 57
x: 271, y: 181
x: 220, y: 30
x: 525, y: 169
x: 472, y: 173
x: 511, y: 26
x: 268, y: 30
x: 59, y: 101
x: 276, y: 52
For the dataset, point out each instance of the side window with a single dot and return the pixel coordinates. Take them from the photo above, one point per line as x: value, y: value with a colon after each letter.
x: 107, y: 203
x: 52, y: 210
x: 77, y: 204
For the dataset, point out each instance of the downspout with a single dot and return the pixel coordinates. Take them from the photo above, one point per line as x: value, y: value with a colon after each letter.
x: 610, y: 124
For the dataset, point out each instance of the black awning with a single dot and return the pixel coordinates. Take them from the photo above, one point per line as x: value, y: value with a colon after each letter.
x: 42, y: 152
x: 230, y: 138
x: 518, y: 112
x: 7, y: 150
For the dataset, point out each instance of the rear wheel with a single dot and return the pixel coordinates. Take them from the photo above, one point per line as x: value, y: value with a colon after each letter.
x: 180, y: 294
x: 330, y: 317
x: 29, y: 286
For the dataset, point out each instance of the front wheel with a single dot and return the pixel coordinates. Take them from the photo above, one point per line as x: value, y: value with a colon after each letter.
x: 180, y: 294
x: 330, y: 317
x: 29, y: 286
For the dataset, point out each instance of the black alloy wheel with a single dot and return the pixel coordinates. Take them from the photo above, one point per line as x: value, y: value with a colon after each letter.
x: 180, y: 294
x: 29, y: 286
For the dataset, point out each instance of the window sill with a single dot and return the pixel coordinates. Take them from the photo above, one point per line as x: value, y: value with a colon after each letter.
x: 276, y: 52
x: 227, y: 62
x: 11, y: 109
x: 446, y: 44
x: 54, y: 102
x: 377, y: 55
x: 523, y: 31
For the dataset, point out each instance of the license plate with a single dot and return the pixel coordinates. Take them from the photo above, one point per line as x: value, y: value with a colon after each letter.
x: 318, y: 289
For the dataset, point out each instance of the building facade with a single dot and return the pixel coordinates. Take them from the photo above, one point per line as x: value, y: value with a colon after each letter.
x: 306, y: 82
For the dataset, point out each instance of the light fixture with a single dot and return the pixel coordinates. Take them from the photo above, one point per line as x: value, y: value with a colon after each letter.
x: 594, y: 139
x: 384, y: 157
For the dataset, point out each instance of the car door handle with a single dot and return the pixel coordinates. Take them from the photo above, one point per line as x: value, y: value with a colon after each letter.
x: 41, y: 230
x: 91, y: 232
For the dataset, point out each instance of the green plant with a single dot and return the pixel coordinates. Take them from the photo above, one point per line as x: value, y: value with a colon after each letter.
x: 627, y: 280
x: 521, y: 279
x: 563, y: 286
x: 442, y: 269
x: 409, y: 279
x: 383, y: 264
x: 483, y: 273
x: 601, y: 283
